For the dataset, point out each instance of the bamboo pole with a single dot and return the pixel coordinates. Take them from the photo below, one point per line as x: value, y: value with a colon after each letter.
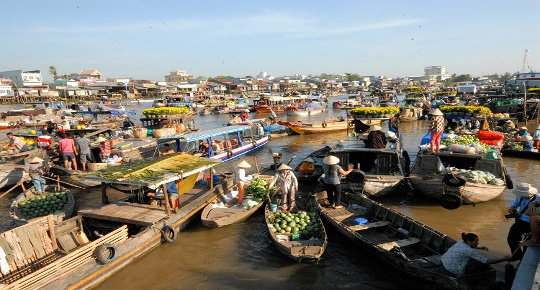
x: 64, y: 182
x: 166, y: 195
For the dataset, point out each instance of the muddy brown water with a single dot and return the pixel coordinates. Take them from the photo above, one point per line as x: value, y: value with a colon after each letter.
x: 242, y: 256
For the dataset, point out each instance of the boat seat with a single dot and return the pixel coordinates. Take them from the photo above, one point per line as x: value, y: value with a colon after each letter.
x: 400, y: 243
x: 369, y: 226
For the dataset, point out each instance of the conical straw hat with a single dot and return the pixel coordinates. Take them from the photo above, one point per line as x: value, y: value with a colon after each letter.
x: 331, y: 160
x: 309, y: 160
x: 284, y: 167
x: 36, y: 160
x: 244, y: 164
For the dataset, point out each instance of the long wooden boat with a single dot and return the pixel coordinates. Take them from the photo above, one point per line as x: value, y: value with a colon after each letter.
x: 58, y: 202
x: 11, y: 174
x: 309, y: 247
x: 317, y: 156
x: 243, y: 139
x: 428, y: 178
x: 404, y: 244
x: 520, y: 154
x: 308, y: 109
x: 104, y: 238
x: 225, y: 210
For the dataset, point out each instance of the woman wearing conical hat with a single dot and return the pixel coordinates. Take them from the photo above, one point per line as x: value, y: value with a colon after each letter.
x: 331, y: 180
x: 241, y: 179
x: 287, y: 182
x: 35, y: 170
x: 436, y: 129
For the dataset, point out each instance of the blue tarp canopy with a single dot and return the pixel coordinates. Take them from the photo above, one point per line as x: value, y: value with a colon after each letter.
x: 205, y: 134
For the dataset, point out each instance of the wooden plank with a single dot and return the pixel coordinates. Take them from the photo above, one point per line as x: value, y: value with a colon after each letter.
x: 435, y: 259
x: 369, y: 226
x: 125, y: 212
x: 400, y: 243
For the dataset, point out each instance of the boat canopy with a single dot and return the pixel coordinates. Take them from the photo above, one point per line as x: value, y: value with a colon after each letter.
x: 152, y: 172
x: 205, y: 134
x: 310, y: 105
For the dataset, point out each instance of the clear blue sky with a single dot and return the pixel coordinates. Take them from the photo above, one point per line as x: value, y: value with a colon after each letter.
x: 148, y: 39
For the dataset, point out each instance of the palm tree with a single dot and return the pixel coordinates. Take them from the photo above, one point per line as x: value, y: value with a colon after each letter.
x: 52, y: 71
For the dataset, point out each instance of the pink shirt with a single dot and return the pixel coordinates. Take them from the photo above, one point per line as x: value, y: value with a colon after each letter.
x: 66, y: 145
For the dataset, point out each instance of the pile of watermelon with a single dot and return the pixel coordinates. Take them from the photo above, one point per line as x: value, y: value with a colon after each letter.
x: 301, y: 222
x: 42, y: 205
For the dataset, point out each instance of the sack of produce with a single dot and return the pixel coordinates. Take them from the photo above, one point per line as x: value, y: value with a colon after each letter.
x: 489, y: 135
x: 457, y: 148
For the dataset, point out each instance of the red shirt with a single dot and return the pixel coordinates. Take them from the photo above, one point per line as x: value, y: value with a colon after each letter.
x: 44, y: 142
x: 66, y: 145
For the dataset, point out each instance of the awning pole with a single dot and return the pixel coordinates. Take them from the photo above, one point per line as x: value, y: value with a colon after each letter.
x: 166, y: 194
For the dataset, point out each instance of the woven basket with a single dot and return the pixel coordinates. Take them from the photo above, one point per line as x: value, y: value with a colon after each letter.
x: 140, y: 133
x: 158, y: 133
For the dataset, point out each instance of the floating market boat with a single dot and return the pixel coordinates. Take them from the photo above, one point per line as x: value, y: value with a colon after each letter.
x: 403, y: 243
x: 307, y: 109
x: 531, y: 155
x: 305, y: 245
x: 11, y: 174
x: 58, y: 202
x: 317, y: 156
x: 333, y: 124
x: 236, y: 140
x: 448, y: 177
x: 225, y: 210
x: 102, y: 239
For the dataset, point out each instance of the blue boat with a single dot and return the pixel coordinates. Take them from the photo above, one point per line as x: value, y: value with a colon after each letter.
x: 235, y: 141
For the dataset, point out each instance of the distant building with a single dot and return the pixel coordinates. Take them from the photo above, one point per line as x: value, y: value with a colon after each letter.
x: 436, y: 72
x: 89, y: 75
x: 6, y: 89
x: 264, y: 76
x: 22, y: 79
x: 178, y: 76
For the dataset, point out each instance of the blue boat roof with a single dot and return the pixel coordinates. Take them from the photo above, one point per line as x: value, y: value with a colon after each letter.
x: 205, y: 134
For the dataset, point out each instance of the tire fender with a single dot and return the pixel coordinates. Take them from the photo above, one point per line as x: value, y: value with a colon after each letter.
x: 168, y: 234
x: 105, y: 253
x: 453, y: 181
x: 450, y: 201
x: 356, y: 176
x: 509, y: 182
x: 11, y: 123
x: 324, y: 125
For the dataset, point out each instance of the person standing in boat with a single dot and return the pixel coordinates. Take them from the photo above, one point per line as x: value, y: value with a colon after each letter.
x: 376, y: 138
x: 461, y: 259
x: 287, y: 182
x: 240, y: 179
x: 536, y: 137
x: 525, y: 194
x: 68, y: 150
x: 332, y: 180
x: 436, y: 129
x: 83, y: 146
x: 36, y: 169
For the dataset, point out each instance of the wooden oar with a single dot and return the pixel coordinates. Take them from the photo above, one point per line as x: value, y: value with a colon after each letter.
x: 64, y: 182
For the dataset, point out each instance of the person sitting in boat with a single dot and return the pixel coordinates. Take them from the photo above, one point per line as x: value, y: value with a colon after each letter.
x: 64, y: 125
x: 104, y: 148
x: 127, y: 123
x: 523, y: 131
x: 36, y: 170
x: 203, y: 149
x: 376, y: 138
x: 16, y: 143
x: 307, y: 167
x: 508, y: 126
x: 461, y: 259
x: 527, y: 143
x: 166, y: 150
x: 172, y: 192
x: 216, y: 146
x: 287, y: 182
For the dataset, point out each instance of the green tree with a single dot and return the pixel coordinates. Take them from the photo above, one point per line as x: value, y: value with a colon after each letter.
x: 463, y: 78
x: 506, y: 77
x: 352, y: 77
x: 52, y: 71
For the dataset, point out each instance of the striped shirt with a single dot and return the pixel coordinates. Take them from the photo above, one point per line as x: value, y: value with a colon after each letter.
x: 437, y: 124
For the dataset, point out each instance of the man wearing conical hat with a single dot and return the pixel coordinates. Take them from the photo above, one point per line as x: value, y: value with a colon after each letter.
x: 307, y: 167
x: 241, y: 179
x: 287, y: 182
x: 35, y: 169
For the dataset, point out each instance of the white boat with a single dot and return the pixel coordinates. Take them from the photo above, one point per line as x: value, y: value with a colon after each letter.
x: 308, y: 109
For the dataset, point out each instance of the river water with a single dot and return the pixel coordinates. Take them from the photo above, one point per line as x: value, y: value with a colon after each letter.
x: 242, y: 256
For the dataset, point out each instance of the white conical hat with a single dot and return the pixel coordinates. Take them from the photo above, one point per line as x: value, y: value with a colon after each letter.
x: 331, y: 160
x: 36, y: 160
x: 284, y: 167
x: 436, y: 112
x: 244, y: 164
x: 309, y: 160
x: 376, y: 128
x: 100, y: 139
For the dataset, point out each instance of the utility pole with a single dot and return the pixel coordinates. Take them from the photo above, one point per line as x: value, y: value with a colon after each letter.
x: 525, y: 103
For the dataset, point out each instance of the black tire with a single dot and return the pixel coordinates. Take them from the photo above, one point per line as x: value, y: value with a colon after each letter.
x: 105, y: 253
x: 324, y: 125
x: 407, y: 161
x: 453, y: 181
x: 356, y: 176
x: 509, y: 182
x: 450, y: 201
x: 11, y: 123
x: 60, y: 171
x: 168, y: 234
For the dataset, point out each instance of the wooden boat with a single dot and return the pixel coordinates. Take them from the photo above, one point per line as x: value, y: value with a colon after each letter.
x: 63, y: 211
x: 102, y: 239
x: 332, y: 124
x: 225, y: 210
x: 308, y: 109
x: 404, y: 244
x: 520, y: 154
x: 428, y: 178
x: 308, y: 248
x: 11, y: 174
x: 242, y: 138
x: 317, y: 156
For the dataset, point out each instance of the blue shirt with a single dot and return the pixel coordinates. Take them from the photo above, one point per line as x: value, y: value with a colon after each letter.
x: 457, y: 257
x: 331, y: 180
x: 520, y: 203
